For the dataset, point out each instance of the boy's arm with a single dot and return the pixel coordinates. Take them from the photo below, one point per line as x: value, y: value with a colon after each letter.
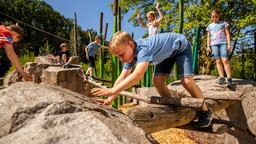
x: 124, y: 82
x: 15, y: 61
x: 86, y: 52
x: 105, y: 47
x: 132, y: 79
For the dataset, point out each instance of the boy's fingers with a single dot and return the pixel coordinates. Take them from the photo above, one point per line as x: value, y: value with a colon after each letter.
x: 104, y: 101
x: 98, y: 100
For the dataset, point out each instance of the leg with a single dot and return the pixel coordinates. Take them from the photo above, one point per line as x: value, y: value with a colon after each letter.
x: 189, y: 84
x: 185, y: 71
x: 159, y: 83
x: 216, y: 50
x: 64, y: 58
x: 91, y: 66
x: 224, y: 57
x: 89, y: 71
x: 161, y: 73
x: 220, y: 67
x: 227, y: 67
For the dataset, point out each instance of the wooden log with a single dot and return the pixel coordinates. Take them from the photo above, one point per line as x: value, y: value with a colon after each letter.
x: 228, y: 95
x: 153, y: 119
x: 185, y: 102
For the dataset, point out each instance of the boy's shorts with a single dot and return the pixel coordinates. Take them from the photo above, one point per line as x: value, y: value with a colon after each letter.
x: 91, y: 61
x: 220, y: 51
x: 183, y: 61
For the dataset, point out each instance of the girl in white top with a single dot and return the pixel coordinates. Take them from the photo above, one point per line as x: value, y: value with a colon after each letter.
x: 153, y: 21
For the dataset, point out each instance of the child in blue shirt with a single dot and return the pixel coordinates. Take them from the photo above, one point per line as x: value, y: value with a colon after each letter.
x: 162, y: 50
x: 91, y: 51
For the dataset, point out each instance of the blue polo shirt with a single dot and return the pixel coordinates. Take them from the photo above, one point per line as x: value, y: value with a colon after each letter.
x: 156, y: 48
x: 92, y: 48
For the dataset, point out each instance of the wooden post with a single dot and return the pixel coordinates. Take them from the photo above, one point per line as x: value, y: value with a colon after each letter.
x: 114, y: 58
x: 101, y: 50
x: 75, y: 35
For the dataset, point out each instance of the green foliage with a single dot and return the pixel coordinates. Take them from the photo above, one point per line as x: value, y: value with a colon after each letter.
x: 46, y: 49
x: 44, y: 28
x: 239, y: 14
x: 243, y: 65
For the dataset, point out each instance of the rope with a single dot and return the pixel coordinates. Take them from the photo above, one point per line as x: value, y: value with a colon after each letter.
x: 19, y: 21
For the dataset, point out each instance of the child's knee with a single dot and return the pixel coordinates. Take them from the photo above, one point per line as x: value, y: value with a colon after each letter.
x: 158, y: 80
x: 64, y: 56
x: 187, y: 81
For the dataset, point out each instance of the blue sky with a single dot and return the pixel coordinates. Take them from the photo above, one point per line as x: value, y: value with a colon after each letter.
x: 88, y: 15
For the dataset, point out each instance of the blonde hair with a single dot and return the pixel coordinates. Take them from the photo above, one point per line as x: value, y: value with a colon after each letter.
x: 118, y: 39
x: 153, y: 14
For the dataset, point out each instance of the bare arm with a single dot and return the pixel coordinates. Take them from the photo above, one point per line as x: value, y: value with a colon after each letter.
x: 70, y: 60
x: 108, y: 101
x: 105, y: 47
x: 161, y: 18
x: 123, y: 82
x: 15, y: 61
x: 86, y: 52
x: 228, y: 37
x: 132, y: 79
x: 141, y: 22
x: 123, y: 75
x: 208, y: 42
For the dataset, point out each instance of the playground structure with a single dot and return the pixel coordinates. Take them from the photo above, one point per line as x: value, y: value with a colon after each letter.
x: 232, y: 107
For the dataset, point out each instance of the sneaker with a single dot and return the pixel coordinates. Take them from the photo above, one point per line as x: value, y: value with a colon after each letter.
x: 65, y: 66
x: 221, y: 81
x: 204, y: 119
x: 229, y: 81
x: 91, y: 78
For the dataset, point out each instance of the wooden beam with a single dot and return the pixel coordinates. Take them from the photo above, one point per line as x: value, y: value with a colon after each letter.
x: 153, y: 119
x: 185, y: 102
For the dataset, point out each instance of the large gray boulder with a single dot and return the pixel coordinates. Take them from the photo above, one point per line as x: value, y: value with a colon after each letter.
x: 38, y: 113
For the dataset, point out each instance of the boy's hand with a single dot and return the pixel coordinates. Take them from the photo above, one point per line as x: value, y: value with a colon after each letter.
x: 27, y: 76
x: 102, y: 92
x: 104, y: 101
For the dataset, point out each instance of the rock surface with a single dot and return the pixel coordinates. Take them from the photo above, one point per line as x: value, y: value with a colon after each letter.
x: 38, y: 113
x: 234, y: 124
